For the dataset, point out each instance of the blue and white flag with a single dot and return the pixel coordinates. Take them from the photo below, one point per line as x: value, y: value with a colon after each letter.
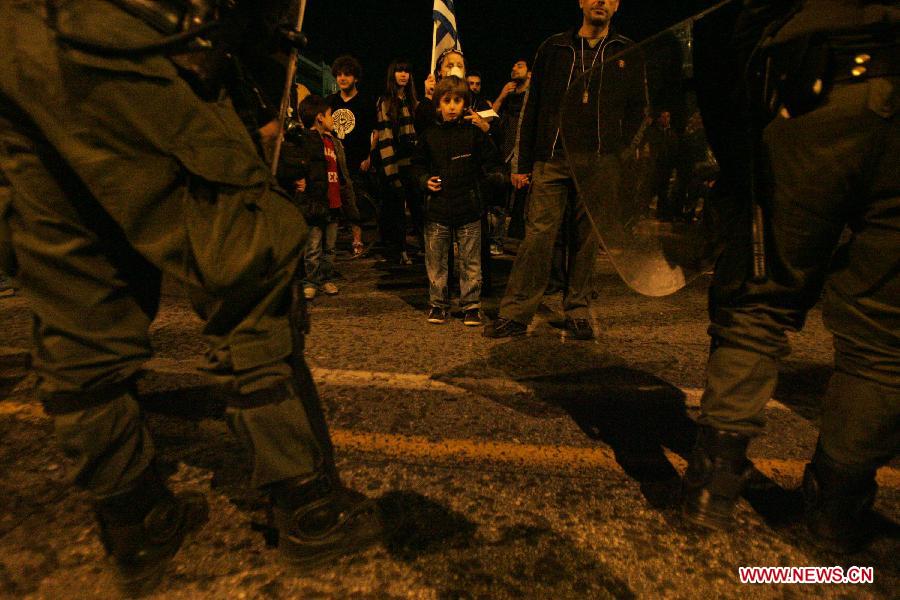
x: 446, y: 35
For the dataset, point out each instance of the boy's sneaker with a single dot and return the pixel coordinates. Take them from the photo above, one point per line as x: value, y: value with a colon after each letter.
x: 472, y: 318
x: 329, y: 288
x: 405, y: 260
x: 496, y: 250
x: 580, y: 328
x: 437, y: 315
x: 309, y: 292
x: 501, y: 328
x: 358, y: 250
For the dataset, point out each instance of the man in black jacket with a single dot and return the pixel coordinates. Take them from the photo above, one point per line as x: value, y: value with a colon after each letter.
x: 540, y: 157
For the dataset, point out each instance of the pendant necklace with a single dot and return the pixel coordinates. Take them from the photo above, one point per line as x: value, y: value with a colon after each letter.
x: 587, y: 80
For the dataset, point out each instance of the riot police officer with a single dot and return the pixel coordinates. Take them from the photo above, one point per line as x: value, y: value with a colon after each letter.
x: 126, y: 162
x: 830, y: 155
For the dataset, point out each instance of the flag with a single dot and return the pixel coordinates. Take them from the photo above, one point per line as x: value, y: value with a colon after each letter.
x: 445, y: 34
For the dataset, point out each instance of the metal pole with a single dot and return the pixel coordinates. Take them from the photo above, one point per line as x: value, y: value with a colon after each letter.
x: 286, y: 94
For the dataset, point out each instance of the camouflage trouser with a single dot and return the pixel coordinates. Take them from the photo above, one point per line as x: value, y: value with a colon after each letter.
x: 120, y: 173
x: 832, y: 168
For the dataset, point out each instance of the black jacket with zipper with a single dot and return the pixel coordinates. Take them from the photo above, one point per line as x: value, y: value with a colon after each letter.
x: 623, y: 98
x: 465, y: 159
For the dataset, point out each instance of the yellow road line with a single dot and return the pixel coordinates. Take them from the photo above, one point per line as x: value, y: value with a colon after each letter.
x: 564, y: 458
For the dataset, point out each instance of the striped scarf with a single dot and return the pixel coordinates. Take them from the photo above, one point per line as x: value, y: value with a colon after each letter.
x: 395, y: 140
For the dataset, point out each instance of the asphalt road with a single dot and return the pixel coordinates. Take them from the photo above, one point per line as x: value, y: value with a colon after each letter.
x: 539, y: 467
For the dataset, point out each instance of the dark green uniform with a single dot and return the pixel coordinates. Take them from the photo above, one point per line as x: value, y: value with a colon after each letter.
x: 827, y: 167
x: 121, y: 173
x: 833, y: 167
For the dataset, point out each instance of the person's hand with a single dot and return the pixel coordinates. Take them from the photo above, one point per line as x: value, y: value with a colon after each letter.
x: 300, y: 185
x: 430, y: 82
x: 365, y: 165
x: 520, y: 180
x: 434, y: 184
x: 508, y: 89
x: 478, y: 121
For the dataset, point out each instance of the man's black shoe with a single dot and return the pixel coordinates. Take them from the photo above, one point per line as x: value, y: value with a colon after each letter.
x: 838, y: 501
x: 580, y: 328
x: 437, y: 315
x: 144, y: 527
x: 501, y: 328
x: 472, y: 318
x: 715, y: 478
x: 318, y: 521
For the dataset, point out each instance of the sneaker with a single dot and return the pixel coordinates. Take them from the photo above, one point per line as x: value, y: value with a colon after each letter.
x: 358, y: 250
x: 437, y: 315
x: 405, y: 260
x: 309, y: 292
x: 580, y: 328
x: 329, y: 288
x: 472, y: 318
x: 504, y: 328
x: 496, y: 250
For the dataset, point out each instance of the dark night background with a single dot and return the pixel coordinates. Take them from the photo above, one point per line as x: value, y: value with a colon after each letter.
x: 493, y: 33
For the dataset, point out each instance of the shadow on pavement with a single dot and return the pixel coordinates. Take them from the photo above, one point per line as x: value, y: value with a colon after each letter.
x: 516, y: 562
x: 636, y: 413
x: 421, y: 526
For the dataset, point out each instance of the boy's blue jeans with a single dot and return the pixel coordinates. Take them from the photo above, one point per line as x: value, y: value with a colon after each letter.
x: 320, y: 251
x: 437, y: 249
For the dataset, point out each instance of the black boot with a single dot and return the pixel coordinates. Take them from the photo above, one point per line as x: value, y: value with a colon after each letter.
x: 715, y: 478
x: 319, y: 520
x: 838, y: 500
x: 143, y: 527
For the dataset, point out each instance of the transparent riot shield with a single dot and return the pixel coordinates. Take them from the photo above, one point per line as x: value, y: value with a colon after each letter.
x: 636, y: 145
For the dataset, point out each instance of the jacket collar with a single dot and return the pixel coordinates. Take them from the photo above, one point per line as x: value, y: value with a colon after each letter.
x: 571, y: 39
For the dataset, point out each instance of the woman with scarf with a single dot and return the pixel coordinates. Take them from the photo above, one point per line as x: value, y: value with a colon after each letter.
x: 395, y: 144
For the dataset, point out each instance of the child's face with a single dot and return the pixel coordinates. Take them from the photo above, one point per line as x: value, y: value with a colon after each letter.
x: 451, y: 106
x: 326, y: 122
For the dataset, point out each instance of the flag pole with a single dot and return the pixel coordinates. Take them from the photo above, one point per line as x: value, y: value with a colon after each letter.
x: 434, y: 47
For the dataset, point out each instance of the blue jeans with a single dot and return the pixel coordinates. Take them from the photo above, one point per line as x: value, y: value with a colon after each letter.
x: 319, y: 259
x: 437, y: 249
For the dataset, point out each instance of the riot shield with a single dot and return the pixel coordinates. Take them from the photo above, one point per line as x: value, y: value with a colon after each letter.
x: 635, y: 142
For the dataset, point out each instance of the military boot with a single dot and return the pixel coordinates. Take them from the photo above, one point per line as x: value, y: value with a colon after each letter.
x: 838, y: 500
x: 142, y: 529
x: 318, y: 520
x: 715, y: 478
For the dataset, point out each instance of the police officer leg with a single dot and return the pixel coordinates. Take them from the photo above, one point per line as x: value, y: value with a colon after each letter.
x: 275, y: 411
x: 860, y: 428
x: 804, y: 219
x: 93, y: 299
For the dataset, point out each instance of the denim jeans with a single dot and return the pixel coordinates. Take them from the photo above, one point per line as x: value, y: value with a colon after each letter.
x: 438, y: 239
x: 551, y: 190
x: 319, y: 260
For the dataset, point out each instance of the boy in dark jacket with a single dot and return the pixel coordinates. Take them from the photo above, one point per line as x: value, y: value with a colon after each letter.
x: 450, y: 163
x: 315, y: 167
